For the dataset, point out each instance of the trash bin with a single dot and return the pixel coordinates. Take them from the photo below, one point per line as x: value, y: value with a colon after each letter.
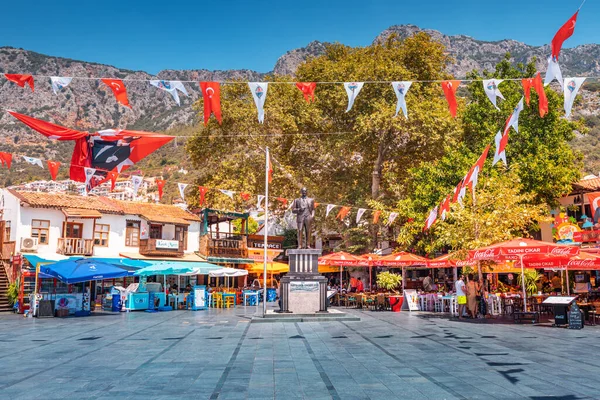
x: 116, y: 303
x: 396, y: 303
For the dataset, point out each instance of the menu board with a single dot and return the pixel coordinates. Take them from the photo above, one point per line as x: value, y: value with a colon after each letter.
x: 559, y: 300
x: 411, y: 300
x: 575, y: 319
x: 199, y: 297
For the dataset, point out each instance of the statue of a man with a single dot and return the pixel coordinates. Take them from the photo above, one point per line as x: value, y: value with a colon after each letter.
x: 304, y: 208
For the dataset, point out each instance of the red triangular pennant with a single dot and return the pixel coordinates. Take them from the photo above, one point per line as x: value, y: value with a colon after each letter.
x: 283, y: 201
x: 245, y: 196
x: 376, y: 215
x: 449, y: 88
x: 343, y: 212
x: 308, y: 90
x: 202, y: 192
x: 5, y: 159
x: 118, y: 88
x: 160, y: 183
x: 53, y: 167
x: 538, y: 85
x: 20, y: 80
x: 211, y: 92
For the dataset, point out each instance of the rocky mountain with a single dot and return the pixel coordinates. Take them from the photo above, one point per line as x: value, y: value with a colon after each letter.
x: 89, y: 104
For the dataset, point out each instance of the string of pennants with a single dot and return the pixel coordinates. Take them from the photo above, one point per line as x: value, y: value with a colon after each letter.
x: 211, y: 90
x: 6, y: 160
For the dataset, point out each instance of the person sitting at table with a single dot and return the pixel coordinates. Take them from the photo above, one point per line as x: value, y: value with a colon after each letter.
x: 427, y: 283
x: 556, y: 283
x: 360, y: 287
x: 174, y: 288
x: 188, y: 288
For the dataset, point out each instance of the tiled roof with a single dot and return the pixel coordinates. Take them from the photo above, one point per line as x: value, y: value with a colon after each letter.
x: 162, y: 213
x: 61, y: 200
x: 587, y: 185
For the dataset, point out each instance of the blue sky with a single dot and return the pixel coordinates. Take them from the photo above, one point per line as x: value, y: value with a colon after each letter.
x: 252, y: 34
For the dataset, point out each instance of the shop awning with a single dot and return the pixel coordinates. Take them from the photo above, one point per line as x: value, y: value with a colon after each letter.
x: 177, y: 268
x: 226, y: 260
x: 81, y: 213
x: 272, y: 268
x: 83, y: 270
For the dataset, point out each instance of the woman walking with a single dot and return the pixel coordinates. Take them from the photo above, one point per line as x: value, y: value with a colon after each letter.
x: 472, y: 293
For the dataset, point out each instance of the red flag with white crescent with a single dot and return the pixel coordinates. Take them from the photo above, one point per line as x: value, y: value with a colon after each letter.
x: 565, y: 32
x: 118, y: 88
x: 449, y: 88
x: 53, y: 167
x: 308, y: 90
x: 21, y: 80
x: 211, y: 93
x: 112, y: 175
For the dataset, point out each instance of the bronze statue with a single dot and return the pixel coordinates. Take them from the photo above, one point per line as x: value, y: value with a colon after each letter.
x: 304, y: 208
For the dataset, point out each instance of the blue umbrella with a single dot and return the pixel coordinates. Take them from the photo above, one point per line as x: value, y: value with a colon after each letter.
x: 83, y: 270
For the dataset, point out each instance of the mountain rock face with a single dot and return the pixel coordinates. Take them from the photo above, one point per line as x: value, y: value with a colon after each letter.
x: 88, y: 104
x: 471, y: 54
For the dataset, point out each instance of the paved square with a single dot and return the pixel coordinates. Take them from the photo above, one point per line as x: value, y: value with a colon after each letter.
x: 218, y: 354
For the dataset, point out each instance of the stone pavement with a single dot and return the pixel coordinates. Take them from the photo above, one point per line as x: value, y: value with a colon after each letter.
x: 218, y: 354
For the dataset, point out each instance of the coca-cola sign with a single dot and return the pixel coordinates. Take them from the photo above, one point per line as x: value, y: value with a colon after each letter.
x: 564, y: 251
x: 586, y: 236
x: 588, y: 263
x: 484, y: 254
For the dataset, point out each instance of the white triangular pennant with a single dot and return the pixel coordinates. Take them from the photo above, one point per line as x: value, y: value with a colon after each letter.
x: 514, y: 117
x: 490, y: 86
x: 228, y: 193
x: 89, y: 173
x: 260, y: 199
x: 571, y: 88
x: 329, y: 208
x: 59, y: 82
x: 181, y: 187
x: 171, y: 87
x: 500, y: 154
x: 137, y: 181
x: 553, y: 72
x: 34, y: 161
x: 392, y: 218
x: 431, y: 218
x: 401, y: 88
x: 259, y: 93
x: 352, y: 89
x: 359, y: 214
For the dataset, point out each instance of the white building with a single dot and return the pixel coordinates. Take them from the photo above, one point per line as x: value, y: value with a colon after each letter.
x: 55, y: 223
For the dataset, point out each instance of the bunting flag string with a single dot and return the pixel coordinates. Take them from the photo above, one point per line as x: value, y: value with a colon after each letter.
x: 137, y: 181
x: 112, y: 176
x: 202, y: 193
x: 245, y: 196
x: 118, y: 88
x: 352, y: 90
x: 329, y: 208
x: 308, y: 90
x: 449, y: 88
x: 401, y: 88
x: 565, y: 32
x: 170, y: 87
x: 33, y: 161
x: 490, y: 86
x: 181, y: 187
x: 211, y: 92
x: 21, y: 80
x: 570, y: 89
x: 359, y: 214
x: 5, y: 159
x: 343, y: 213
x: 259, y: 94
x: 228, y: 193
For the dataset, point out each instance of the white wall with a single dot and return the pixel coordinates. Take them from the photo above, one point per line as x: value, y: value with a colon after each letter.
x: 11, y: 212
x: 193, y: 237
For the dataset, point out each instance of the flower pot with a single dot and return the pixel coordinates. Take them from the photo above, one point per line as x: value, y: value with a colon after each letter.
x: 396, y: 303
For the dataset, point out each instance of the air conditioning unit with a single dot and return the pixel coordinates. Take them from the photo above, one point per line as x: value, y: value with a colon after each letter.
x: 29, y: 244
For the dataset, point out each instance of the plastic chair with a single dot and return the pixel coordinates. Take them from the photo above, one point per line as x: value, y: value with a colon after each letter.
x: 438, y: 305
x: 229, y: 300
x: 217, y: 299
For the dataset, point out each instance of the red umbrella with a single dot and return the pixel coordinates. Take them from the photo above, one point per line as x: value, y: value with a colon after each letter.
x: 342, y: 259
x: 520, y: 249
x: 401, y: 259
x: 446, y: 261
x: 372, y: 260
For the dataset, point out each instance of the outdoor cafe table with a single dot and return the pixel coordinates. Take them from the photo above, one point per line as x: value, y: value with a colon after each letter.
x: 427, y: 300
x: 226, y: 295
x: 450, y: 300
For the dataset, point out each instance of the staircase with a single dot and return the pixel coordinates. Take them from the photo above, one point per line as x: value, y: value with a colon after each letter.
x: 4, y: 306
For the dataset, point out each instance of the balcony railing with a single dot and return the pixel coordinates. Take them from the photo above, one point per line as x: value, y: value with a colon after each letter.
x: 231, y: 247
x: 75, y: 247
x: 160, y: 247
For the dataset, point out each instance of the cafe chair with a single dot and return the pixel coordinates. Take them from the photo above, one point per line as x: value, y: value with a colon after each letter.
x: 217, y: 300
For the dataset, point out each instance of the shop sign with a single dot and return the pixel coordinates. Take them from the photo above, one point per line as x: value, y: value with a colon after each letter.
x: 167, y: 244
x: 261, y: 245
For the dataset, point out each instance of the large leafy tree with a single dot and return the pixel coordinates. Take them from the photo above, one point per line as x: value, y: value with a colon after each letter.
x: 539, y: 159
x: 342, y: 157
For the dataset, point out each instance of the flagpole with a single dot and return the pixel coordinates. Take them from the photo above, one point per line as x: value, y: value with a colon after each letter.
x: 266, y: 228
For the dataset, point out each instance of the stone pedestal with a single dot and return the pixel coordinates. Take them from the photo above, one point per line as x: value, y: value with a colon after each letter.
x: 303, y: 290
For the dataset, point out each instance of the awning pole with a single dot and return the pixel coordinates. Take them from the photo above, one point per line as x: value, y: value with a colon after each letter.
x: 568, y: 284
x: 523, y: 283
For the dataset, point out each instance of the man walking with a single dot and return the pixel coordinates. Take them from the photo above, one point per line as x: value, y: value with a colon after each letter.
x: 461, y: 296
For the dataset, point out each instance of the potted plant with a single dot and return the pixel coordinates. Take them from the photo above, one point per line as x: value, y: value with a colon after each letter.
x: 531, y: 280
x: 13, y: 293
x: 390, y: 281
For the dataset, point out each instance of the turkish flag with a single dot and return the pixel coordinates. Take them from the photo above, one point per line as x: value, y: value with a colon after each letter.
x: 449, y: 88
x: 211, y: 92
x: 307, y: 89
x: 245, y: 196
x: 20, y: 80
x: 283, y: 201
x: 160, y: 183
x: 53, y: 167
x: 594, y: 199
x: 565, y: 32
x: 112, y: 175
x: 457, y: 191
x: 343, y: 212
x: 202, y: 192
x: 5, y: 159
x: 538, y: 85
x: 118, y: 88
x: 376, y: 215
x: 473, y: 175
